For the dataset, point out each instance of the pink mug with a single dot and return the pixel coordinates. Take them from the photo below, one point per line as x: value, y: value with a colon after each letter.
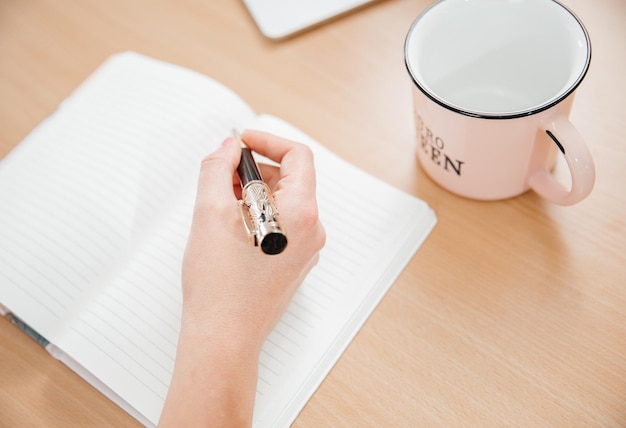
x: 494, y: 81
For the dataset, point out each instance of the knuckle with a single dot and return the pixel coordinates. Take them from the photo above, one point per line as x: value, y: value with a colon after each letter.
x: 308, y: 216
x: 305, y: 152
x: 308, y: 220
x: 320, y: 237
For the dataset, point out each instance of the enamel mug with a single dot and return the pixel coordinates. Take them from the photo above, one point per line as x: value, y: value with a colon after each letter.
x: 493, y: 84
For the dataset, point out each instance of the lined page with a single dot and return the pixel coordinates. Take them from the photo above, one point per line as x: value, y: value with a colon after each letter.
x: 373, y: 230
x: 128, y: 336
x: 86, y: 188
x: 124, y: 340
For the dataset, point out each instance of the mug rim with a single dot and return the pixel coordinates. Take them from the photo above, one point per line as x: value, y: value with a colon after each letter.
x: 512, y: 115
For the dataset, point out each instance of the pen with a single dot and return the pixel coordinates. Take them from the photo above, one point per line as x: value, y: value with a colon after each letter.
x: 258, y: 210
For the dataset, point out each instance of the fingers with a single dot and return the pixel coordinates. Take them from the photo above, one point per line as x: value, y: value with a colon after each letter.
x: 294, y: 190
x: 268, y: 145
x: 295, y: 159
x: 293, y: 184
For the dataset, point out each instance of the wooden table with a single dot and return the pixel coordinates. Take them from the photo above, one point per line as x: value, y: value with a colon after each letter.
x: 513, y: 313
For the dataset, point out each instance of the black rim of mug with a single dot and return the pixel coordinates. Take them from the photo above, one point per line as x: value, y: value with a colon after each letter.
x: 514, y: 115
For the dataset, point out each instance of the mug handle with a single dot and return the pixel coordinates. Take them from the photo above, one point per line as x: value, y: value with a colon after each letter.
x: 581, y: 166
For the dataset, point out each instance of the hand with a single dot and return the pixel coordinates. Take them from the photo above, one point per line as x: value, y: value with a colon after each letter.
x: 233, y: 294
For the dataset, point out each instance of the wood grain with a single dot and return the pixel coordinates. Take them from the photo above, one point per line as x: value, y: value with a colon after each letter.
x: 513, y: 313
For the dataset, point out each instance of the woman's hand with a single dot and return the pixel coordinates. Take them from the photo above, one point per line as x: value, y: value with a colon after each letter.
x: 234, y: 294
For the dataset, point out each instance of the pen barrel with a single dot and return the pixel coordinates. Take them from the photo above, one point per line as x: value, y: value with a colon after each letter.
x: 264, y: 227
x: 248, y: 170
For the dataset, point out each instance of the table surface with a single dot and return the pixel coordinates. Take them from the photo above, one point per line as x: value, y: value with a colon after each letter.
x: 513, y: 313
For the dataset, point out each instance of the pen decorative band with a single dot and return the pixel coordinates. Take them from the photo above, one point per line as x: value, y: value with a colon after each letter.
x: 258, y: 210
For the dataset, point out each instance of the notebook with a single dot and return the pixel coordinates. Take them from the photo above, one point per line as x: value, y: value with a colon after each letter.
x: 278, y: 19
x: 96, y: 208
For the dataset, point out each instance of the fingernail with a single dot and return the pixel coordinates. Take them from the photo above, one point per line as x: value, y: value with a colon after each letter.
x: 226, y: 142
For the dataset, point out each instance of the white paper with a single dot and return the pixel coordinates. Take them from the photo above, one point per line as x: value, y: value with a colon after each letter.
x: 98, y: 206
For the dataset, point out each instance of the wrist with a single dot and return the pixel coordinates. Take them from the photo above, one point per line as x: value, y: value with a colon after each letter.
x: 225, y: 334
x: 214, y: 379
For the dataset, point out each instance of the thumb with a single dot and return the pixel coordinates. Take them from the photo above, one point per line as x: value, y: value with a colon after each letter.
x: 215, y: 184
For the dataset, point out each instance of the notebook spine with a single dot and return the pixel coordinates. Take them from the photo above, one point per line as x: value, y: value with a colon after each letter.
x: 27, y: 329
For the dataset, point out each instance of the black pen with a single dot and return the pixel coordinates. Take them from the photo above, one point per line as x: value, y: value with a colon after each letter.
x: 260, y: 216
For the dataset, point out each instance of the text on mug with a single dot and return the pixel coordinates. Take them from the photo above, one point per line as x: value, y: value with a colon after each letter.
x: 433, y: 147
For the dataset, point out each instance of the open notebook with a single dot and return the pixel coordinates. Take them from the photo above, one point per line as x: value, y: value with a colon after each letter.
x: 96, y: 207
x: 278, y: 19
